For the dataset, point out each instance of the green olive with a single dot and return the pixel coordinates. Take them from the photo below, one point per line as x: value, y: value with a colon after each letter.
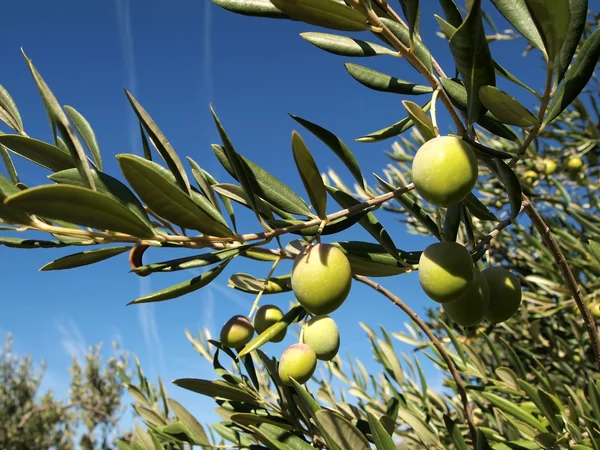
x: 299, y: 362
x: 322, y: 335
x: 469, y: 309
x: 237, y: 332
x: 266, y: 316
x: 550, y: 167
x: 321, y: 278
x: 445, y: 271
x: 445, y: 170
x: 505, y: 294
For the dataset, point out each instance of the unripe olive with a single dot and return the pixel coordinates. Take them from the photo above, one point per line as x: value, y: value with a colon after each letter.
x: 237, y: 332
x: 445, y: 271
x: 505, y: 294
x: 299, y: 362
x: 469, y: 309
x: 530, y: 176
x: 550, y: 167
x: 321, y: 278
x: 444, y: 170
x: 595, y: 310
x: 266, y: 316
x: 574, y: 163
x: 322, y: 335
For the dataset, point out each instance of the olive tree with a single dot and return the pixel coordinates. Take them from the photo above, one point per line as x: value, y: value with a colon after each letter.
x: 510, y: 195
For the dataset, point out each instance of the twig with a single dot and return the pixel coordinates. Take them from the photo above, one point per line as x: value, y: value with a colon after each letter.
x: 436, y: 342
x: 565, y: 268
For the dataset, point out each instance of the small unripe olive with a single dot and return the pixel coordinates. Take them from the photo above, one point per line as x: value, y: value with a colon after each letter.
x: 550, y: 167
x: 266, y: 316
x: 574, y: 163
x: 595, y: 310
x: 322, y: 335
x: 237, y: 332
x: 445, y: 271
x: 469, y: 309
x: 321, y: 278
x: 530, y: 176
x: 505, y: 294
x: 299, y: 362
x: 444, y: 170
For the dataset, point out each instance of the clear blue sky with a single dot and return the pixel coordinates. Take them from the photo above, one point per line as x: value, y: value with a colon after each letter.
x: 176, y: 59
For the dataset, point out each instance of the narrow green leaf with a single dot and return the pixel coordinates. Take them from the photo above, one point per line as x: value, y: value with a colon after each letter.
x: 577, y: 17
x: 145, y: 143
x: 370, y: 223
x: 505, y: 107
x: 379, y: 81
x: 455, y: 433
x: 512, y: 185
x: 10, y: 214
x: 247, y: 283
x: 182, y: 288
x: 451, y: 12
x: 39, y: 152
x: 311, y: 178
x: 393, y: 130
x: 403, y: 34
x: 420, y: 119
x: 164, y: 148
x: 215, y: 389
x: 264, y: 184
x: 421, y: 429
x: 333, y: 227
x: 279, y: 438
x: 260, y: 8
x: 381, y: 438
x: 8, y: 163
x: 84, y: 258
x: 345, y: 46
x: 324, y: 13
x: 410, y: 8
x: 487, y: 151
x: 501, y: 70
x: 64, y: 126
x: 337, y: 146
x: 473, y: 59
x: 86, y: 132
x: 237, y: 194
x: 514, y: 410
x: 552, y: 23
x: 576, y: 77
x: 189, y: 421
x: 482, y: 442
x: 293, y: 315
x: 341, y: 431
x: 9, y: 113
x: 144, y: 437
x: 446, y: 27
x: 478, y: 209
x: 82, y: 207
x: 156, y: 187
x: 246, y: 419
x: 452, y: 222
x: 308, y: 400
x: 107, y: 185
x: 29, y: 243
x: 206, y: 189
x: 595, y: 249
x: 517, y: 14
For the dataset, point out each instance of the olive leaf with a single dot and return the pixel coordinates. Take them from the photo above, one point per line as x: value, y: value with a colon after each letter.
x: 512, y: 185
x: 260, y: 8
x: 577, y: 17
x: 41, y: 153
x: 595, y: 249
x: 381, y: 438
x: 9, y: 113
x: 420, y: 119
x: 403, y: 34
x: 84, y: 258
x: 345, y: 46
x: 309, y: 173
x: 324, y: 13
x: 215, y: 389
x: 518, y: 15
x: 8, y: 163
x: 86, y: 132
x: 451, y: 12
x: 505, y: 107
x: 410, y: 8
x: 341, y: 431
x: 382, y: 82
x: 393, y: 130
x: 552, y: 23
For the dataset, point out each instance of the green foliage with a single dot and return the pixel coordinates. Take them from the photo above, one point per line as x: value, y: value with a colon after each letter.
x: 529, y: 382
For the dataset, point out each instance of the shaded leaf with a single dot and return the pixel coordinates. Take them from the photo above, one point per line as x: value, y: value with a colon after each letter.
x: 260, y: 8
x: 345, y: 46
x: 513, y: 410
x: 84, y: 258
x: 189, y: 421
x: 410, y: 8
x: 576, y: 77
x: 156, y: 187
x: 311, y: 178
x: 29, y: 243
x: 215, y: 389
x: 80, y: 206
x: 512, y: 185
x: 237, y: 194
x: 452, y: 222
x: 333, y: 227
x: 403, y: 34
x: 393, y: 130
x: 278, y: 438
x: 478, y: 209
x: 9, y: 113
x: 577, y: 17
x: 145, y: 143
x: 517, y: 14
x: 421, y: 429
x: 420, y: 119
x: 324, y: 13
x: 487, y: 151
x: 381, y: 438
x: 182, y: 288
x: 39, y: 152
x: 552, y: 23
x: 7, y: 213
x: 455, y: 434
x: 341, y: 431
x: 164, y: 148
x: 505, y: 107
x: 473, y: 59
x: 595, y: 249
x: 247, y: 283
x: 379, y: 81
x: 8, y: 163
x: 451, y: 12
x: 86, y: 132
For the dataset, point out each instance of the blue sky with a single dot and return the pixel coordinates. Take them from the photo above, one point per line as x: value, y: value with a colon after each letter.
x: 176, y: 60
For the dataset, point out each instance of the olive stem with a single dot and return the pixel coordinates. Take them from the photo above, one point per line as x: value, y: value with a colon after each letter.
x: 460, y: 387
x: 266, y: 284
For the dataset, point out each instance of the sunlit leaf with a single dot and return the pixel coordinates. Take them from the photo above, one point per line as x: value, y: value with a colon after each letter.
x: 420, y: 119
x: 260, y: 8
x: 84, y: 258
x: 345, y: 46
x: 86, y: 132
x: 421, y: 429
x: 310, y: 175
x: 505, y: 107
x: 393, y: 130
x: 39, y: 152
x: 381, y: 438
x: 341, y: 431
x: 215, y: 389
x: 247, y: 283
x: 379, y: 81
x: 403, y: 34
x: 188, y: 420
x: 324, y: 13
x: 9, y: 113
